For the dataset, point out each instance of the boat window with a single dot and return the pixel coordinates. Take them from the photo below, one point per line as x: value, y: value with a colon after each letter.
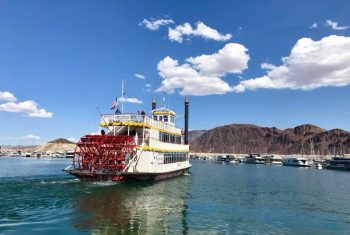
x: 168, y: 138
x: 175, y: 157
x: 165, y: 118
x: 155, y: 117
x: 160, y: 118
x: 172, y: 119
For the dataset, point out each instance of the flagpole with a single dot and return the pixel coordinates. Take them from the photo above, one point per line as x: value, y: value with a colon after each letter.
x: 122, y: 96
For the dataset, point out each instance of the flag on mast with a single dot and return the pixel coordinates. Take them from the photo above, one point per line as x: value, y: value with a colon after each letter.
x: 115, y: 104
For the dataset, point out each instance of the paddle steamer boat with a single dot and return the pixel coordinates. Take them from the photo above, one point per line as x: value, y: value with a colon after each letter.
x: 134, y: 146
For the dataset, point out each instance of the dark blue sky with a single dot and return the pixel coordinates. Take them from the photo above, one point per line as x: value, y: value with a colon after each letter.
x: 70, y: 57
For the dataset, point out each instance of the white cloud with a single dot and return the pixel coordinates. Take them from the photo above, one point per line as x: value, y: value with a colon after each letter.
x: 153, y: 24
x: 130, y: 100
x: 30, y: 137
x: 29, y: 107
x: 311, y: 64
x: 140, y: 76
x: 188, y: 79
x: 72, y: 139
x: 201, y: 30
x: 148, y: 87
x: 267, y: 66
x: 314, y: 26
x: 7, y: 96
x: 202, y: 75
x: 334, y: 25
x: 230, y: 59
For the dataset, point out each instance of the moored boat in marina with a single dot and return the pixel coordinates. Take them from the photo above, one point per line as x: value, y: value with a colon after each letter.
x: 28, y: 154
x: 69, y: 154
x: 234, y: 161
x: 295, y: 161
x: 339, y: 163
x: 255, y: 159
x: 276, y: 161
x: 317, y: 163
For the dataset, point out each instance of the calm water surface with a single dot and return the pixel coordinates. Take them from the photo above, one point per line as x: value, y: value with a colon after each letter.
x: 36, y: 197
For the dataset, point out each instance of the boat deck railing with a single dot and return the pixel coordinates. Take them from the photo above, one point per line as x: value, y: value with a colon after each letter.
x: 109, y: 119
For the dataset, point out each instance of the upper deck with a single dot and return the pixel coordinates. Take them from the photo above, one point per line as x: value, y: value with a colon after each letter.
x: 139, y: 121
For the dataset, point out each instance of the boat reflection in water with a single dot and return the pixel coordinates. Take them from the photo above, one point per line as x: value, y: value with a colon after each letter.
x: 140, y: 207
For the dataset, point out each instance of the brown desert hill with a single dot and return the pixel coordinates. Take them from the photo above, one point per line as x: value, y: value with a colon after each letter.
x: 195, y: 134
x: 61, y: 141
x: 304, y: 130
x: 247, y: 138
x: 57, y: 145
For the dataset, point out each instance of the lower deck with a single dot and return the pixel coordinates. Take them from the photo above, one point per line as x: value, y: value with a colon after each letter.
x: 157, y: 162
x: 143, y: 165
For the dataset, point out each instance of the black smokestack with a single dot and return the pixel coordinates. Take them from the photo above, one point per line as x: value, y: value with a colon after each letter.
x: 154, y: 104
x: 187, y: 104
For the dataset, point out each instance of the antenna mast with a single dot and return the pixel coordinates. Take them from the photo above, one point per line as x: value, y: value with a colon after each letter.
x: 122, y: 96
x: 163, y: 102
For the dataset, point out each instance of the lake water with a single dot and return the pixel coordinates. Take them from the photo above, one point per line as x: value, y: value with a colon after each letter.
x: 36, y: 197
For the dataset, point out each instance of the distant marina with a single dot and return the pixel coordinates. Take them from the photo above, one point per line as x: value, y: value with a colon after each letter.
x: 314, y: 161
x: 58, y: 148
x: 63, y: 154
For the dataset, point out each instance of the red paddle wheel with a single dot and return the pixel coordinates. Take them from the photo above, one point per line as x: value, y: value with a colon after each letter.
x: 103, y: 157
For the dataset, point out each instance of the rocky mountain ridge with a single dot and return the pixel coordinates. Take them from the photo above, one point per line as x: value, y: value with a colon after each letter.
x: 247, y: 138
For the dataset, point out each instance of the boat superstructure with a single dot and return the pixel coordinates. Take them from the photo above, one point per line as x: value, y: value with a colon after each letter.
x: 339, y: 163
x: 295, y: 161
x: 276, y: 160
x: 134, y: 146
x: 254, y: 159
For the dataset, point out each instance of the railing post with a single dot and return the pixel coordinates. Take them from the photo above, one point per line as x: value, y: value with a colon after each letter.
x: 143, y: 131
